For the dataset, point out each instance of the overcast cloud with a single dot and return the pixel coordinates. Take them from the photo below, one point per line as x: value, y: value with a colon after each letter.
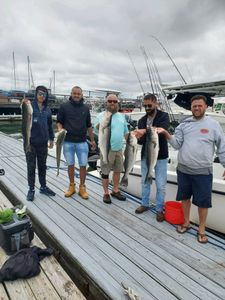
x: 85, y: 42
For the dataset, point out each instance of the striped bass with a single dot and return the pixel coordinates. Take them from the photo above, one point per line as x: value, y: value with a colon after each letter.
x: 130, y: 154
x: 104, y: 136
x: 27, y: 116
x: 59, y: 143
x: 151, y: 152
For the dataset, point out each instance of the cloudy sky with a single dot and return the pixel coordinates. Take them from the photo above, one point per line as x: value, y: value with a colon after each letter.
x: 86, y: 42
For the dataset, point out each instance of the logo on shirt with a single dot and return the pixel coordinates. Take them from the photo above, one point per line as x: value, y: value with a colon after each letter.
x: 204, y: 131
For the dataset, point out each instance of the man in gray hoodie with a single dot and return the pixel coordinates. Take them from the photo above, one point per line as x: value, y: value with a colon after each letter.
x: 196, y: 138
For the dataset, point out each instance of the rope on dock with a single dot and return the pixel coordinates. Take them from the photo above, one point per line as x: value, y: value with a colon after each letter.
x: 130, y: 293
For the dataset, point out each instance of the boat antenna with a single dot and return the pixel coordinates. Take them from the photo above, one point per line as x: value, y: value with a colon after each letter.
x: 135, y: 71
x: 14, y: 71
x: 160, y: 43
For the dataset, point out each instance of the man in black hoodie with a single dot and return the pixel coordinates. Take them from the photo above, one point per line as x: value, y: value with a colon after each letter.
x: 74, y: 116
x: 155, y: 118
x: 41, y: 134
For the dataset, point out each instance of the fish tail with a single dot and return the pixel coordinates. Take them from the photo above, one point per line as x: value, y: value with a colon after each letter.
x: 148, y: 179
x: 124, y: 181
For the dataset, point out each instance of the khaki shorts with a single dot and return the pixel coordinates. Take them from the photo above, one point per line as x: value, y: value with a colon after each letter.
x: 115, y: 162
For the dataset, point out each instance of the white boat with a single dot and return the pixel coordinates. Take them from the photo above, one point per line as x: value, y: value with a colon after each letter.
x: 215, y: 219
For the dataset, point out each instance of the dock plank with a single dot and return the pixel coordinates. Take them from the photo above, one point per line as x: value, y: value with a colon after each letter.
x: 3, y: 295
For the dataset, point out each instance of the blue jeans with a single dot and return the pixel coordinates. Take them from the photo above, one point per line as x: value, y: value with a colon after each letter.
x: 160, y: 180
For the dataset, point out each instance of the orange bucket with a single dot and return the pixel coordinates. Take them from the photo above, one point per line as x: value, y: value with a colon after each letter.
x: 174, y: 213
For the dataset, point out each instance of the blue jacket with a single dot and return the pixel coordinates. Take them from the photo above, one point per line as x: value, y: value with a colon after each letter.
x: 42, y: 130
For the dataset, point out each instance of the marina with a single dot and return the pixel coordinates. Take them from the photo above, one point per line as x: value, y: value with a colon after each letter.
x: 102, y: 246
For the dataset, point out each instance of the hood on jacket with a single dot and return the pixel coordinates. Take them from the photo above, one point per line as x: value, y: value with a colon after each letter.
x: 43, y: 89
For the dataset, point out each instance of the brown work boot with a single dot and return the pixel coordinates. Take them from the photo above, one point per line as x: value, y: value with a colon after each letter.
x: 82, y: 192
x: 159, y: 216
x: 141, y: 209
x: 71, y: 190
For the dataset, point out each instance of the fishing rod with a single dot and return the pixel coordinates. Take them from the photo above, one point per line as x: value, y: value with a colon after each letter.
x: 161, y: 92
x: 147, y: 65
x: 135, y: 71
x: 160, y: 43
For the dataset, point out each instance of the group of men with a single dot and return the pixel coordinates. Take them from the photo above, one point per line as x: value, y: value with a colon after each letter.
x: 195, y: 138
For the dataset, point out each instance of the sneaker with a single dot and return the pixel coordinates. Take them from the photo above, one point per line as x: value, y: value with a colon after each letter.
x: 159, y: 216
x: 118, y: 196
x: 141, y: 209
x: 107, y: 199
x: 46, y: 191
x: 30, y: 195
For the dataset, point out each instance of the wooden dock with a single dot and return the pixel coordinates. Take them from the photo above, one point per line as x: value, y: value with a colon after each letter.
x: 52, y: 282
x: 103, y: 245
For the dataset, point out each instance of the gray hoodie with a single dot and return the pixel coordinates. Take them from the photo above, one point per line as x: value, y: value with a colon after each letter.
x: 197, y: 141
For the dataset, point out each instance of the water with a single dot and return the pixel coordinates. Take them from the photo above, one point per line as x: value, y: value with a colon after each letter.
x: 11, y: 127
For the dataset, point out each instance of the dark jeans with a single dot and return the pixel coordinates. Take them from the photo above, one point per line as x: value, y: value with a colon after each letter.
x: 39, y: 154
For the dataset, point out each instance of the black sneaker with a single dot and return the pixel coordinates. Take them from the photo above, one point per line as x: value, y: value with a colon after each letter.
x: 118, y: 196
x: 107, y: 199
x: 30, y: 195
x: 46, y: 191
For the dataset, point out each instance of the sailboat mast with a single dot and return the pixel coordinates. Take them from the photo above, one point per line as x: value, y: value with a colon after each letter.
x: 14, y: 71
x: 54, y: 82
x: 28, y: 71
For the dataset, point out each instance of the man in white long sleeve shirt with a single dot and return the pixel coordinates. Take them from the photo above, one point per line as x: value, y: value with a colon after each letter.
x: 196, y: 138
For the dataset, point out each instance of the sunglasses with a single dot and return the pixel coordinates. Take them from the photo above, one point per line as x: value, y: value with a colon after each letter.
x: 148, y: 106
x: 112, y: 101
x: 42, y: 94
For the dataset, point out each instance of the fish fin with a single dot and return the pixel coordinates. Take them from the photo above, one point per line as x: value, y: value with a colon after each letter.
x: 154, y: 144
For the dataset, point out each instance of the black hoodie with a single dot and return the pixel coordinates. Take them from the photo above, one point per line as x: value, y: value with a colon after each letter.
x: 42, y: 130
x: 76, y: 119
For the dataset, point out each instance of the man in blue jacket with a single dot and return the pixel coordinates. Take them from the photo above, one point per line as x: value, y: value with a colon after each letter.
x: 41, y: 134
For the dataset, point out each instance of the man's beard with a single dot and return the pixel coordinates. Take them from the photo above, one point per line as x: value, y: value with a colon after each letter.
x: 150, y: 112
x: 113, y: 110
